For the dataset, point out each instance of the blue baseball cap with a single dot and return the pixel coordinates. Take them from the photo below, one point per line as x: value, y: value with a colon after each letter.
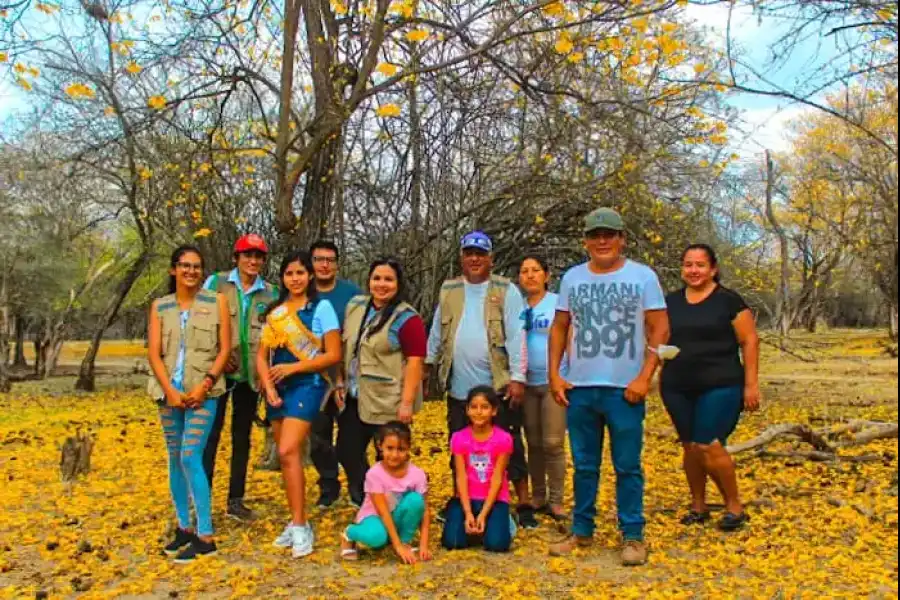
x: 477, y: 240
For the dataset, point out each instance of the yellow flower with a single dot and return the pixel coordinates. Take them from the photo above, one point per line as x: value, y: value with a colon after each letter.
x: 564, y: 44
x: 387, y: 69
x: 23, y: 84
x: 202, y: 233
x: 47, y: 9
x: 20, y: 68
x: 339, y: 7
x: 157, y: 102
x: 109, y: 111
x: 700, y: 68
x: 575, y: 57
x: 388, y: 110
x: 134, y: 68
x: 4, y: 57
x: 554, y: 10
x: 146, y: 173
x: 79, y: 90
x: 417, y: 35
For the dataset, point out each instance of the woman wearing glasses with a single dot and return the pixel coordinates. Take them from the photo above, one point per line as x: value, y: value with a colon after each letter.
x: 384, y: 357
x: 545, y: 420
x: 189, y: 339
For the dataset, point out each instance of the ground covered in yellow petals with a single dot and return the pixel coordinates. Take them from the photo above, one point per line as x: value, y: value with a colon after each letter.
x: 817, y: 530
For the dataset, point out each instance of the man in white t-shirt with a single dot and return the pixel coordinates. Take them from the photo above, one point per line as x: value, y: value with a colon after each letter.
x: 611, y: 314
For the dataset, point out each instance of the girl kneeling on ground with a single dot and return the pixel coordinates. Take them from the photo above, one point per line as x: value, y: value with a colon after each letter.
x: 189, y: 338
x: 481, y: 453
x: 396, y: 502
x: 300, y: 340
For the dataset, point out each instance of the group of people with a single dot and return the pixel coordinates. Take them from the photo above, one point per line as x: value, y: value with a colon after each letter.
x: 507, y: 357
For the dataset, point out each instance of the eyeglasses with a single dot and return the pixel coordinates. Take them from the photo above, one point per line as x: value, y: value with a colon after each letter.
x: 327, y: 260
x: 189, y: 266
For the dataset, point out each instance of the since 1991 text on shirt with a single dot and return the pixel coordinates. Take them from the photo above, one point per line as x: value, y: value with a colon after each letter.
x: 607, y: 337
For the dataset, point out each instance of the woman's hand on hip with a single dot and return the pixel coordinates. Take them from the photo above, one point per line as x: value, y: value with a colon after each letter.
x: 279, y: 373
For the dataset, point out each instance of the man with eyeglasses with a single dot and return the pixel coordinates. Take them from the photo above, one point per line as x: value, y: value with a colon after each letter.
x: 477, y: 338
x: 339, y: 292
x: 248, y: 296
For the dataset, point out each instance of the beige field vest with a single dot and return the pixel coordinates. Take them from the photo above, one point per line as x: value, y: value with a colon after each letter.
x: 380, y: 376
x: 201, y: 341
x: 259, y: 301
x: 452, y: 301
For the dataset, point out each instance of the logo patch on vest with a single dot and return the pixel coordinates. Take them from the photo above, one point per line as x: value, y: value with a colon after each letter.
x: 260, y: 306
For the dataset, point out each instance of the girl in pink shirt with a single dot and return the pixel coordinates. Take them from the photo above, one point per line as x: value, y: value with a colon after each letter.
x: 395, y: 506
x: 481, y: 453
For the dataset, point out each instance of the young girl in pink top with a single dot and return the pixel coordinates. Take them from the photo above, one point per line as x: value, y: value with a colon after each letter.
x: 481, y: 452
x: 395, y: 506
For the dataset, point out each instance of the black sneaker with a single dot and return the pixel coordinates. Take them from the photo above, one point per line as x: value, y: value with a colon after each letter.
x: 732, y: 522
x: 326, y: 500
x: 239, y: 511
x: 182, y: 539
x: 197, y: 549
x: 695, y: 518
x: 525, y: 512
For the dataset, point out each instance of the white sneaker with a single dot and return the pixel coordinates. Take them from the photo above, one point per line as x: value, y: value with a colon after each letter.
x: 284, y: 539
x: 302, y: 540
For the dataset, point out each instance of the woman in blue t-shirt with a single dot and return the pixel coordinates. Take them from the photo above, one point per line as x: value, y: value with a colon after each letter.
x: 300, y: 341
x: 545, y: 420
x: 707, y: 385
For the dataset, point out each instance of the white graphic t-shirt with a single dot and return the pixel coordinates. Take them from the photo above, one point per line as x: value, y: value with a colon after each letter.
x: 607, y: 340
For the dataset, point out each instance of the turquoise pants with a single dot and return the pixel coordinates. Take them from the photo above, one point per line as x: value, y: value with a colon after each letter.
x: 407, y: 518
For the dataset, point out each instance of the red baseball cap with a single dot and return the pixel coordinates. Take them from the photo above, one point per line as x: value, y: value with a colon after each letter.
x: 249, y: 242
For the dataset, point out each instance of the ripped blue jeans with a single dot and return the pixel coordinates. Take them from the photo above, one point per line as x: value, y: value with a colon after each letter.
x: 186, y: 431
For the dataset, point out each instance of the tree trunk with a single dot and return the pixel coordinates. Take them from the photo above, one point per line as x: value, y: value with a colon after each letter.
x: 5, y: 384
x: 85, y: 380
x: 783, y: 296
x: 319, y: 193
x: 19, y: 353
x: 892, y: 326
x: 269, y: 460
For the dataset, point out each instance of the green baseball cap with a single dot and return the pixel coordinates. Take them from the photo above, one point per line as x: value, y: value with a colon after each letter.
x: 603, y: 218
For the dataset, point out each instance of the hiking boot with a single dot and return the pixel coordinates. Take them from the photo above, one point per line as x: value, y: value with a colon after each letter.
x: 695, y: 518
x: 238, y: 510
x: 732, y: 522
x: 634, y: 553
x: 182, y: 539
x: 197, y: 549
x: 526, y: 517
x: 569, y: 545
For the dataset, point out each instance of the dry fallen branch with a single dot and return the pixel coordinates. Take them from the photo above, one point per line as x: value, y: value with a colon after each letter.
x: 804, y: 432
x: 817, y: 456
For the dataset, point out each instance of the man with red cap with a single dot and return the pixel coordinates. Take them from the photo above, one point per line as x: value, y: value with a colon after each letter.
x: 248, y: 296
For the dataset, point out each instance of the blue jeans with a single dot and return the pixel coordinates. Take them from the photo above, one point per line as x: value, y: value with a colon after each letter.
x: 407, y: 517
x: 186, y: 431
x: 591, y: 410
x: 497, y: 536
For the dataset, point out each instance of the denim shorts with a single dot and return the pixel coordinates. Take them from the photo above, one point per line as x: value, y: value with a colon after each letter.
x: 703, y: 416
x: 299, y: 402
